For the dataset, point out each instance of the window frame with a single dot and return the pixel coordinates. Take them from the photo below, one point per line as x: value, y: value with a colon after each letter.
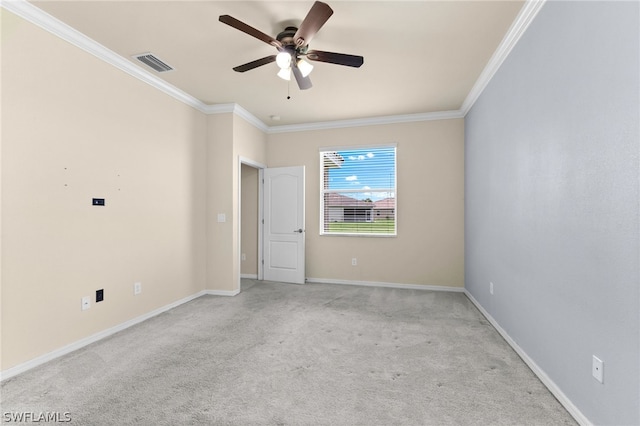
x: 324, y: 190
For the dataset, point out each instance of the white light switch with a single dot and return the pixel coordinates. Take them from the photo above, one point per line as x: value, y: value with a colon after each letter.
x: 222, y: 217
x: 86, y: 303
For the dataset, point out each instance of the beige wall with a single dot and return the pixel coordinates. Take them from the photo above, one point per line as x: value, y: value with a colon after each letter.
x: 230, y: 138
x: 220, y: 235
x: 429, y: 248
x: 79, y: 128
x: 249, y: 221
x: 250, y: 145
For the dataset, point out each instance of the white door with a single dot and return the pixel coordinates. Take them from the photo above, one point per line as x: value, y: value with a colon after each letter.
x: 284, y: 224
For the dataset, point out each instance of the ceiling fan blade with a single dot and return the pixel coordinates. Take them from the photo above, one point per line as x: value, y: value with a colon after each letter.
x: 255, y: 64
x: 335, y: 58
x: 239, y: 25
x: 315, y: 19
x: 304, y: 83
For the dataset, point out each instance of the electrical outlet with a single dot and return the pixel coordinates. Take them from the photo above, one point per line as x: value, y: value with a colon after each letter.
x: 354, y: 262
x: 490, y: 288
x: 137, y: 288
x: 86, y: 303
x: 597, y: 369
x: 244, y: 256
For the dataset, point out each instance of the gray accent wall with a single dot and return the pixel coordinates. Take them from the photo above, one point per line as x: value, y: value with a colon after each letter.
x: 552, y: 201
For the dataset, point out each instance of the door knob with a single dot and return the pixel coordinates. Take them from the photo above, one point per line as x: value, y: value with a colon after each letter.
x: 299, y: 231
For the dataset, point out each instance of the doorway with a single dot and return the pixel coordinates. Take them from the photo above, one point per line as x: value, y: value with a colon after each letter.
x: 271, y: 231
x: 249, y: 214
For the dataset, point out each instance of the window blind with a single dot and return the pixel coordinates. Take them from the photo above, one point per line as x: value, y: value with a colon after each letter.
x: 358, y: 191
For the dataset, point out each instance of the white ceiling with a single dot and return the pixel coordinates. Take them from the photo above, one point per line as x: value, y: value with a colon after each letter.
x: 419, y: 56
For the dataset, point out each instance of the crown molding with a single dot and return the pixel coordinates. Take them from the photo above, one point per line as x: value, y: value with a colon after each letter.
x: 517, y: 29
x: 252, y: 119
x: 49, y: 23
x: 372, y: 121
x: 237, y: 110
x: 38, y: 17
x: 219, y: 109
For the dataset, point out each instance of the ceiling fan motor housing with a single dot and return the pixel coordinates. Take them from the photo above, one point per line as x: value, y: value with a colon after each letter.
x: 289, y: 44
x: 286, y: 36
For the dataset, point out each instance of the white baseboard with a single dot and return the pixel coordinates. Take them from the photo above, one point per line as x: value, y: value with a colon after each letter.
x: 249, y: 276
x: 222, y: 292
x: 387, y: 285
x: 553, y: 388
x: 21, y: 368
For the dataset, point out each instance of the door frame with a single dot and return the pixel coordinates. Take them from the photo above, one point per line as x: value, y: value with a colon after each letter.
x: 256, y: 165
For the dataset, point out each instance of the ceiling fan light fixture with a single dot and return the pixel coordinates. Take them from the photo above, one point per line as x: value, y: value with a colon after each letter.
x: 304, y: 67
x: 283, y: 59
x: 285, y: 74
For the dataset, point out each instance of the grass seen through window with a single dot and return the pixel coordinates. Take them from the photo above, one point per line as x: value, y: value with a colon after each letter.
x: 380, y: 226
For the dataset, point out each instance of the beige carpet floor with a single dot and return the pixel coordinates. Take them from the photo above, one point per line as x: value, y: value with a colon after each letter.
x: 282, y: 354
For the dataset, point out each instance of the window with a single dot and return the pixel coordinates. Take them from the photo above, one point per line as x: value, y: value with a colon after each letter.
x: 358, y: 191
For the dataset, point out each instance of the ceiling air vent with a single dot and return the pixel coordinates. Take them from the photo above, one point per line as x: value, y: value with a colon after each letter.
x: 152, y: 61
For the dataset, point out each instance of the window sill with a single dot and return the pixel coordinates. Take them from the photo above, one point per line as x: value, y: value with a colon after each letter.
x: 360, y: 235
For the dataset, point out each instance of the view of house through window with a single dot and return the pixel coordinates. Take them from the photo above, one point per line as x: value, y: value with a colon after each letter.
x: 358, y: 191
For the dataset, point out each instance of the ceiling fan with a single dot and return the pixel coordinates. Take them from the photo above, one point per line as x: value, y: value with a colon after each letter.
x: 293, y: 47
